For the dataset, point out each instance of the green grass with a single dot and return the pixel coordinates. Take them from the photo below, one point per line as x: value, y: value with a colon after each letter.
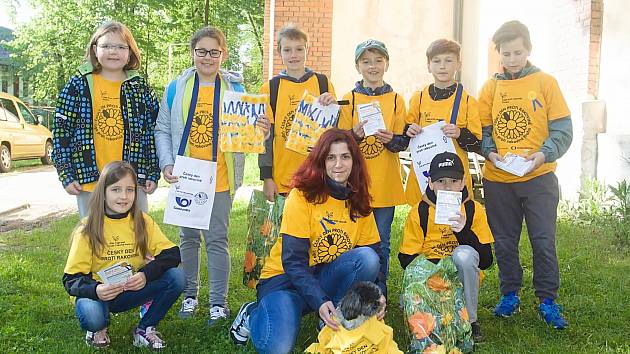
x: 36, y: 314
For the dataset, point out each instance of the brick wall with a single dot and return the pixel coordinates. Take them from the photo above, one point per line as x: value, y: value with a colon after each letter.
x: 315, y: 18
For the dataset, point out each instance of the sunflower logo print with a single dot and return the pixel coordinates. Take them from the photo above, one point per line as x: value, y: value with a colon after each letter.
x: 109, y: 123
x: 513, y: 124
x: 332, y: 244
x: 371, y: 147
x: 201, y: 130
x: 287, y: 122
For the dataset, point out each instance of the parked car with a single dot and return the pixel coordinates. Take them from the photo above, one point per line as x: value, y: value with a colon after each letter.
x: 22, y: 136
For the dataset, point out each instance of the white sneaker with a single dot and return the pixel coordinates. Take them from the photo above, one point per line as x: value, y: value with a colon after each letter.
x: 189, y: 305
x: 148, y: 338
x: 218, y: 313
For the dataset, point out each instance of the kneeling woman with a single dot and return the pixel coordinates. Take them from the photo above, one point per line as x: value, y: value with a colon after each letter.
x: 328, y: 242
x: 117, y: 231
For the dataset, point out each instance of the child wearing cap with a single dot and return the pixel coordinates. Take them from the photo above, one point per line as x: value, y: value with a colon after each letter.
x: 285, y: 91
x: 467, y: 240
x: 523, y: 112
x: 436, y: 102
x: 381, y: 149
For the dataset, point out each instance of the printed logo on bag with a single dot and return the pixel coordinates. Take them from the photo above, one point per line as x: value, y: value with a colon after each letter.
x: 183, y: 202
x: 512, y: 124
x: 371, y: 147
x: 201, y: 198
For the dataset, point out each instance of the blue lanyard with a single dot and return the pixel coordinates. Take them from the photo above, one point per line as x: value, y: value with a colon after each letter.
x: 458, y: 98
x: 215, y: 117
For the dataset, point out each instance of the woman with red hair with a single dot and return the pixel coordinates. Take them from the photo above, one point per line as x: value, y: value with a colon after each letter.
x: 328, y: 241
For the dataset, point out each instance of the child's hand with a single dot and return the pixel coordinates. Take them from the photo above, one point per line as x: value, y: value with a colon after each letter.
x: 413, y: 130
x: 74, y: 188
x: 108, y: 292
x: 458, y: 222
x: 382, y: 309
x: 384, y: 136
x: 168, y: 174
x: 136, y: 282
x: 149, y: 187
x: 451, y: 131
x: 270, y: 189
x: 358, y: 129
x: 326, y: 98
x: 326, y: 312
x: 263, y: 123
x: 494, y: 157
x: 538, y: 158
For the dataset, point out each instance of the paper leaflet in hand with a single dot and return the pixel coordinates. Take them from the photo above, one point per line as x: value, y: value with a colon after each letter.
x: 311, y: 120
x: 447, y: 205
x: 238, y: 132
x: 371, y: 112
x: 424, y: 146
x: 515, y: 164
x: 116, y: 274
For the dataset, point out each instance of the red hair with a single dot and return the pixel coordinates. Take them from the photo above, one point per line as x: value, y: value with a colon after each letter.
x: 310, y: 178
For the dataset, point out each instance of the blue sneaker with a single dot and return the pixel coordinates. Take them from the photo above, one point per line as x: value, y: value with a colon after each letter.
x: 552, y: 314
x: 508, y: 304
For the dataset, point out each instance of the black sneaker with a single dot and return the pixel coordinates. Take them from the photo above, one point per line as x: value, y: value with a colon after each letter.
x: 476, y: 332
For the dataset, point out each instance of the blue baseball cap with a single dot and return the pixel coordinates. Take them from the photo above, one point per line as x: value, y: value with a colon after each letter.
x: 370, y: 44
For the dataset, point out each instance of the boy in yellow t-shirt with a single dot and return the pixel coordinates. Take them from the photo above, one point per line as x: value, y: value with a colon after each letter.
x: 285, y: 91
x: 380, y: 150
x: 523, y: 112
x: 436, y: 102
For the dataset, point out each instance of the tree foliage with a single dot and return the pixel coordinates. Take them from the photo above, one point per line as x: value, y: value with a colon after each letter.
x: 49, y: 48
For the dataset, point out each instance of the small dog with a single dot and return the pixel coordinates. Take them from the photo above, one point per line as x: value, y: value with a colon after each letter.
x: 362, y: 301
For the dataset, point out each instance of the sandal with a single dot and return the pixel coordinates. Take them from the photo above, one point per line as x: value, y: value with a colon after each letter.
x: 99, y: 339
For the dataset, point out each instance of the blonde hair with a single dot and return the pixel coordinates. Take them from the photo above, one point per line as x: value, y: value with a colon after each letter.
x: 93, y: 227
x: 123, y: 31
x: 291, y: 31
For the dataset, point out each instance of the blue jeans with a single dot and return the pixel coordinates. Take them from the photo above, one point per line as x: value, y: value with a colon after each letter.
x: 94, y: 314
x: 384, y: 218
x: 275, y: 322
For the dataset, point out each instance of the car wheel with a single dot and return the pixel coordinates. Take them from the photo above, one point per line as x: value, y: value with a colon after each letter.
x: 5, y: 158
x: 47, y: 159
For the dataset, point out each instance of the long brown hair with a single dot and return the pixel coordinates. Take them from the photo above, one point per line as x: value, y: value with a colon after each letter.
x: 310, y: 178
x: 93, y: 227
x: 123, y: 31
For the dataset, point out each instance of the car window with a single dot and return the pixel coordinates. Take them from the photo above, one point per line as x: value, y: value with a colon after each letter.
x: 26, y: 114
x: 10, y: 111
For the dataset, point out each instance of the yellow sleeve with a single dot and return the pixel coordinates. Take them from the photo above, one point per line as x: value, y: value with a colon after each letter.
x: 80, y: 256
x: 368, y: 233
x: 486, y: 98
x: 556, y: 105
x: 346, y: 120
x: 473, y: 123
x: 413, y: 236
x: 296, y: 218
x: 331, y: 89
x: 401, y: 115
x: 413, y: 111
x: 264, y: 90
x: 480, y: 225
x: 156, y: 241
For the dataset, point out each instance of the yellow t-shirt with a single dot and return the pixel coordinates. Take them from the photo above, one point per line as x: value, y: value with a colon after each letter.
x: 423, y: 110
x: 519, y: 111
x: 383, y: 166
x: 327, y: 226
x: 120, y: 246
x: 107, y: 123
x: 200, y: 139
x: 439, y: 242
x: 285, y: 161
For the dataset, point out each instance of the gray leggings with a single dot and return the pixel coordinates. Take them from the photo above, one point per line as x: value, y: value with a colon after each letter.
x: 83, y: 200
x: 216, y: 241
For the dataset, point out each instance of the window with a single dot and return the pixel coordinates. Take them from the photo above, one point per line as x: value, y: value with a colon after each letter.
x: 10, y: 111
x: 26, y: 114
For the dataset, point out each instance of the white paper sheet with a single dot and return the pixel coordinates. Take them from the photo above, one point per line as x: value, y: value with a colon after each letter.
x: 515, y: 164
x: 371, y: 112
x: 446, y: 206
x: 424, y: 146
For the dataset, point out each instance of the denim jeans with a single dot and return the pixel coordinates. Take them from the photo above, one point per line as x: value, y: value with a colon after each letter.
x: 94, y: 314
x: 275, y: 322
x: 384, y: 218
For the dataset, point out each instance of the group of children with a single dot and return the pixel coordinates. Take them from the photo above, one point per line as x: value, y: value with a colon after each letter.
x: 107, y: 113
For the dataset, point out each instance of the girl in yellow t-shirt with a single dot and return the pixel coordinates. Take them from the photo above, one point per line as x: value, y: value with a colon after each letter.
x: 117, y: 234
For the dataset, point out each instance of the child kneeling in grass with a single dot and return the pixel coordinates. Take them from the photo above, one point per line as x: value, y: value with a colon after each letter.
x: 467, y: 240
x: 116, y: 231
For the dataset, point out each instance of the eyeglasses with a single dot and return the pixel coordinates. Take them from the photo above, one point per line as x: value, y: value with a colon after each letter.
x: 115, y: 47
x: 214, y: 53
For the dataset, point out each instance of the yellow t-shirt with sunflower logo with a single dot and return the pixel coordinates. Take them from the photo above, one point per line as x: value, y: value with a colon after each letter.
x: 423, y: 110
x: 327, y: 226
x: 519, y: 111
x: 200, y: 139
x: 383, y: 166
x: 285, y: 161
x: 107, y: 123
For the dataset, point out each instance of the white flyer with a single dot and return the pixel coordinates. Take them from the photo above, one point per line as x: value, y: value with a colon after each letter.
x: 515, y: 164
x: 115, y: 274
x: 447, y: 205
x: 190, y: 200
x: 424, y: 146
x: 371, y: 112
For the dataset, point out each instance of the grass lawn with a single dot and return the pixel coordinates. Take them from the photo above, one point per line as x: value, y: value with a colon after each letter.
x: 36, y: 314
